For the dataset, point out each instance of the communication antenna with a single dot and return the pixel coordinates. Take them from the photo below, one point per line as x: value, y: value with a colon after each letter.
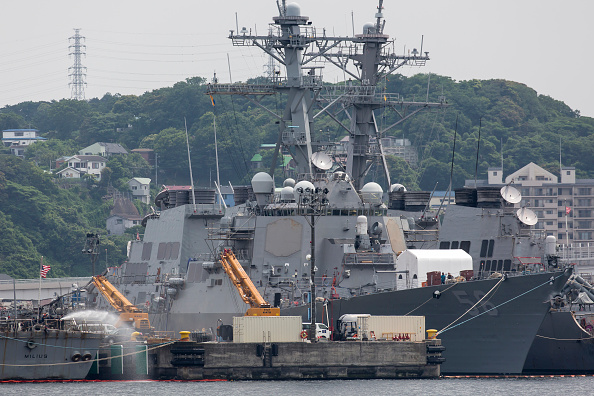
x: 560, y: 166
x: 321, y: 160
x: 190, y: 165
x: 77, y: 71
x: 527, y: 216
x: 501, y: 154
x: 511, y: 194
x: 478, y: 148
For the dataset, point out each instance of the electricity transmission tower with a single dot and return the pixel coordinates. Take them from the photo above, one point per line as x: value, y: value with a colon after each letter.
x: 77, y: 71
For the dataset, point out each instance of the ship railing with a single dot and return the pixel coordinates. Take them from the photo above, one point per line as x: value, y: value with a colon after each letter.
x: 368, y: 259
x: 79, y: 280
x: 294, y: 137
x: 580, y: 253
x: 313, y: 177
x: 267, y: 88
x: 240, y: 254
x: 361, y: 94
x: 325, y: 288
x: 137, y: 279
x: 244, y: 89
x: 520, y: 271
x: 30, y: 324
x: 302, y: 281
x: 237, y: 233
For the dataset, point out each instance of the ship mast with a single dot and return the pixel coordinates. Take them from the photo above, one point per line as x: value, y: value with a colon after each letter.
x: 294, y: 44
x: 370, y: 53
x: 287, y: 43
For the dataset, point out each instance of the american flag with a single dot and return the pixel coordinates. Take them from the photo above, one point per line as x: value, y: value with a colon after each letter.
x: 44, y: 270
x: 567, y: 210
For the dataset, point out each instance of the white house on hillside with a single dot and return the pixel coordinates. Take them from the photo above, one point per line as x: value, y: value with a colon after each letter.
x: 140, y: 187
x: 70, y: 173
x: 19, y: 139
x: 79, y: 165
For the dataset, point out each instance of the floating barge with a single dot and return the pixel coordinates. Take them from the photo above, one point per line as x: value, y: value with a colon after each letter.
x: 189, y: 360
x: 294, y: 361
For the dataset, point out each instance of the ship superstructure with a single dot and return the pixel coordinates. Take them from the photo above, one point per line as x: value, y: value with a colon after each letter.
x: 328, y: 234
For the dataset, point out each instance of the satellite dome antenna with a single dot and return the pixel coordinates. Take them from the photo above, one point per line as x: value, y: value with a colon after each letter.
x: 510, y: 194
x: 527, y: 216
x: 321, y: 160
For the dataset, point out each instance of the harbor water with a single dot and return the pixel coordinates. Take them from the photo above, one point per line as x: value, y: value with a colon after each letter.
x: 445, y: 386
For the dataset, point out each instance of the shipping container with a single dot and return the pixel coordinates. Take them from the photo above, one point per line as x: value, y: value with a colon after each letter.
x: 267, y: 329
x: 433, y: 278
x: 467, y: 274
x: 401, y: 328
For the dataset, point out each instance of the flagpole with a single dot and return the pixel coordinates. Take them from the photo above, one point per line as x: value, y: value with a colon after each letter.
x: 39, y: 295
x: 566, y: 230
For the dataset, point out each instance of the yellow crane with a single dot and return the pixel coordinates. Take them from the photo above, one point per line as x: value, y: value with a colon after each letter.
x: 129, y: 313
x: 248, y: 292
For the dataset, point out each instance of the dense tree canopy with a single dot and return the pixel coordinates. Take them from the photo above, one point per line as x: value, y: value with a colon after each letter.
x: 42, y: 216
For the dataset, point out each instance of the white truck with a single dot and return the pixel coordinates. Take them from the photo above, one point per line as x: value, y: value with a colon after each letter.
x: 391, y: 328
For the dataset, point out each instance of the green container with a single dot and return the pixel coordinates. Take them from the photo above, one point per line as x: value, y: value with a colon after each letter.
x: 117, y: 359
x: 141, y: 359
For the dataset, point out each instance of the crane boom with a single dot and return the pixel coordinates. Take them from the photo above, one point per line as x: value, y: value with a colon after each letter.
x: 113, y: 295
x: 244, y: 285
x: 128, y: 312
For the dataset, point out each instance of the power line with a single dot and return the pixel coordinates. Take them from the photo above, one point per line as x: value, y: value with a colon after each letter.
x: 130, y: 44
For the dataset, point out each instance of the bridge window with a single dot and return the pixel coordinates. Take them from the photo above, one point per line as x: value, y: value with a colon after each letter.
x: 465, y: 245
x: 491, y: 246
x: 484, y: 246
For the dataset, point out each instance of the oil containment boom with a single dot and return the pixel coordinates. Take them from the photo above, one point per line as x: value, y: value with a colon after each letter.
x: 129, y: 313
x: 248, y: 292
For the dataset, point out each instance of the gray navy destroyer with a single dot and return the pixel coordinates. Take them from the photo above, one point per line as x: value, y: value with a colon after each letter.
x: 330, y: 236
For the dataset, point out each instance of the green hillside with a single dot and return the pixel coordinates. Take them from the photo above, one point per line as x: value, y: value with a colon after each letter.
x: 43, y: 216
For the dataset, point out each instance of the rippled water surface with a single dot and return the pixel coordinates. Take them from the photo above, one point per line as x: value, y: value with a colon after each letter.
x: 444, y: 386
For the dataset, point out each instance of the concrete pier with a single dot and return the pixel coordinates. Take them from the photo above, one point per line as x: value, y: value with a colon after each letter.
x: 300, y: 360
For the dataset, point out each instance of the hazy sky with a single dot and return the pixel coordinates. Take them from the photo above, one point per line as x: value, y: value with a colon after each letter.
x: 133, y: 46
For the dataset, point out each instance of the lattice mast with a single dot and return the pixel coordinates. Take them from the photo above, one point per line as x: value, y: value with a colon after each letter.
x: 372, y: 55
x: 295, y: 44
x: 77, y: 72
x: 287, y: 43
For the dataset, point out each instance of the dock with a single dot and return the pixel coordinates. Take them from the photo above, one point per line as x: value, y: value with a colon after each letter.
x: 189, y: 360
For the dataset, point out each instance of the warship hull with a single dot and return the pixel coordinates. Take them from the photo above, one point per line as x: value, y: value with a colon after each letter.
x: 492, y: 338
x: 561, y: 346
x: 46, y: 355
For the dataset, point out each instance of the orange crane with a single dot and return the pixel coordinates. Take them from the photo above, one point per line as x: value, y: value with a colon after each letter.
x: 248, y: 292
x: 129, y: 313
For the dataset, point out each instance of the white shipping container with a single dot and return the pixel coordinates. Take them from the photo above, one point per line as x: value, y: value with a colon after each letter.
x: 267, y: 329
x: 388, y: 327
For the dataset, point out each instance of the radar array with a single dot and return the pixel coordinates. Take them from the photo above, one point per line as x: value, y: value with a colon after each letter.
x: 513, y: 196
x: 366, y: 58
